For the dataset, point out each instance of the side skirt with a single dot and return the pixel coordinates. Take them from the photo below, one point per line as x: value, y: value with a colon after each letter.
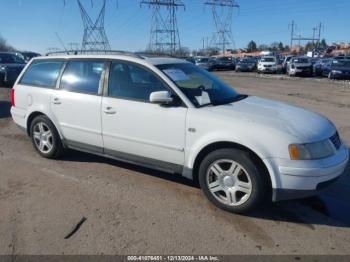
x: 127, y: 158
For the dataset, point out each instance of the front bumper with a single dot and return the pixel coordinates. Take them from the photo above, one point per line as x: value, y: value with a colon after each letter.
x: 299, y: 179
x: 341, y: 76
x: 267, y: 69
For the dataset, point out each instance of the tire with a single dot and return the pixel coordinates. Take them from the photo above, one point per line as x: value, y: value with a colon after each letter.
x: 239, y: 191
x: 330, y: 76
x: 45, y: 138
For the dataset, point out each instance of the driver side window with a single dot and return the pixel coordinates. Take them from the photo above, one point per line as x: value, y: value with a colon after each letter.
x: 130, y: 81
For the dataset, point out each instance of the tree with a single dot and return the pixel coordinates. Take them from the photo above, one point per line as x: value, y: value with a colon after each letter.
x: 4, y: 47
x: 252, y: 47
x: 323, y: 44
x: 263, y: 47
x: 281, y: 46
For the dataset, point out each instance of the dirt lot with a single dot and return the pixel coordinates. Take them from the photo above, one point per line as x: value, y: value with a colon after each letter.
x: 132, y: 210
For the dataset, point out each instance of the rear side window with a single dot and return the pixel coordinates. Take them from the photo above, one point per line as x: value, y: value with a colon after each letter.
x: 42, y: 73
x: 83, y: 76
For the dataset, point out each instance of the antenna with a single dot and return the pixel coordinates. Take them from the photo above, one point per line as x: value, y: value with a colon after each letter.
x: 165, y: 37
x: 223, y: 36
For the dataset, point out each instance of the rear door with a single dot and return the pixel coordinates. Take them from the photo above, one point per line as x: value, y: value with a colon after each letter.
x: 77, y: 104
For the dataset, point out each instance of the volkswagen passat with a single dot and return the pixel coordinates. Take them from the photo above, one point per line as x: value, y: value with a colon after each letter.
x: 170, y: 115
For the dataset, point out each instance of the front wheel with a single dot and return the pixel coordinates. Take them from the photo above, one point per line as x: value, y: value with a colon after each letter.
x: 232, y: 181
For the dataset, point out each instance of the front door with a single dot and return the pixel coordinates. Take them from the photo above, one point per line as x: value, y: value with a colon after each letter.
x: 135, y: 129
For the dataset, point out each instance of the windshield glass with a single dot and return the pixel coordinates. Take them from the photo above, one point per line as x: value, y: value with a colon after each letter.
x: 247, y: 61
x: 301, y: 60
x: 10, y: 59
x: 342, y: 63
x: 200, y: 87
x: 202, y: 60
x: 268, y: 59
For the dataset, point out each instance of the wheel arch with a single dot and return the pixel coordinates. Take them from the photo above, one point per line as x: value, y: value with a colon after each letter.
x: 35, y: 114
x: 225, y: 144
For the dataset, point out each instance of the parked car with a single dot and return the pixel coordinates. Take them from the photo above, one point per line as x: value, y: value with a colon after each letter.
x: 318, y: 66
x: 29, y: 55
x: 267, y: 64
x: 203, y: 62
x: 337, y: 69
x: 11, y: 66
x: 299, y: 66
x: 222, y: 63
x: 285, y: 63
x: 246, y: 65
x: 175, y: 117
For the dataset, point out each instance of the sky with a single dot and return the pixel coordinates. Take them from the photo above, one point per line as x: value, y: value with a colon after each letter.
x: 32, y: 24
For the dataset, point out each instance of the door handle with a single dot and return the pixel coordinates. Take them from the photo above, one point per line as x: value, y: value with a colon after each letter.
x: 57, y: 101
x: 109, y: 110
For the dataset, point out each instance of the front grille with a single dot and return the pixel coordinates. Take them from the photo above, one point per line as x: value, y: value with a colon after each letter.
x: 336, y: 140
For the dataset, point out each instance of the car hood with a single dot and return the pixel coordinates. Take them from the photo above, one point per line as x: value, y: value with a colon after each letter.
x: 303, y: 64
x: 300, y: 123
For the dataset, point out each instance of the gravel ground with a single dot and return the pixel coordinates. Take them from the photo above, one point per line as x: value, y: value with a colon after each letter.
x: 132, y: 210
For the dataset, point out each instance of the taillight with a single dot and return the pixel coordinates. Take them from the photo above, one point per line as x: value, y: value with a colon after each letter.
x: 13, y: 97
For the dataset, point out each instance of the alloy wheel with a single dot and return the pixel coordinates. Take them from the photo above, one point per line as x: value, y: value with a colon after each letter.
x: 43, y: 138
x: 229, y: 182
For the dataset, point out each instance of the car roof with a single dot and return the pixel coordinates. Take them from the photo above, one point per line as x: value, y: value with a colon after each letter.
x: 131, y: 58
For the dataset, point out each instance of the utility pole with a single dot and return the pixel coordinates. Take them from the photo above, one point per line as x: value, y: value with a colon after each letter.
x: 320, y: 27
x: 165, y: 37
x: 292, y: 26
x: 223, y: 22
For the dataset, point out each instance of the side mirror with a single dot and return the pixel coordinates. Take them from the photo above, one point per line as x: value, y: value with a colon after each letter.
x: 161, y: 97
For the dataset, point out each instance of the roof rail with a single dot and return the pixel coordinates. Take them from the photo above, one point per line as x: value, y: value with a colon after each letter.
x: 94, y: 52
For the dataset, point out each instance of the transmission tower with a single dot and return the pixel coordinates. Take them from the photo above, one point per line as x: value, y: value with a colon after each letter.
x: 165, y: 37
x: 222, y: 11
x: 95, y: 37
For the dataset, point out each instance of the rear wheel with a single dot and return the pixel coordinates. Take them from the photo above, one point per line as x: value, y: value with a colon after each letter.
x: 232, y: 181
x: 45, y: 138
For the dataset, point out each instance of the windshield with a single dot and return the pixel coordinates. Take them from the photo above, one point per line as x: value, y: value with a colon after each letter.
x: 301, y: 60
x: 247, y: 61
x: 268, y: 59
x: 342, y: 63
x: 200, y: 87
x: 202, y: 60
x: 10, y: 59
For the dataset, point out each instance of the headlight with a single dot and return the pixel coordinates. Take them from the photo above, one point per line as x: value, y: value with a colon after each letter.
x: 311, y: 151
x: 2, y: 68
x: 336, y: 72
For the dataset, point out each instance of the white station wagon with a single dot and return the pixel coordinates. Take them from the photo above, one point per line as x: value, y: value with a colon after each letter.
x: 170, y: 115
